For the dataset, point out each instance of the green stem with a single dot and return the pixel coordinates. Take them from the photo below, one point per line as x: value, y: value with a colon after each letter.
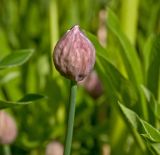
x: 139, y: 140
x: 71, y: 114
x: 129, y: 18
x: 54, y: 30
x: 6, y: 149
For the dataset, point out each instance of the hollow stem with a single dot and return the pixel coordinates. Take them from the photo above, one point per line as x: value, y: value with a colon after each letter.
x: 71, y: 114
x: 6, y: 149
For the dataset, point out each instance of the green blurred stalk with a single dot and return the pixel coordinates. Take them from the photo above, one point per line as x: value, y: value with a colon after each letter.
x: 129, y: 18
x: 71, y: 114
x: 73, y: 12
x: 6, y: 149
x: 54, y: 37
x: 139, y: 141
x: 54, y: 32
x: 117, y: 130
x: 143, y: 106
x: 54, y: 29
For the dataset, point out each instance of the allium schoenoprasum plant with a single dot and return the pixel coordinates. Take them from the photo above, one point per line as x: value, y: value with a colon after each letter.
x: 117, y: 106
x: 74, y: 57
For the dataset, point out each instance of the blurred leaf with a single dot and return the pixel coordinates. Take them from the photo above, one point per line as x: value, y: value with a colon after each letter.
x: 104, y: 65
x: 135, y: 121
x: 113, y: 80
x: 10, y: 76
x: 147, y: 131
x: 131, y: 61
x: 27, y: 99
x: 129, y: 115
x: 153, y: 76
x: 128, y: 54
x: 16, y: 58
x: 111, y: 74
x: 152, y: 102
x: 151, y: 133
x: 154, y: 148
x: 31, y: 97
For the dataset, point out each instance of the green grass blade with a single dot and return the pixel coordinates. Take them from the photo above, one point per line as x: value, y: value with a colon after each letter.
x: 129, y: 54
x: 153, y: 75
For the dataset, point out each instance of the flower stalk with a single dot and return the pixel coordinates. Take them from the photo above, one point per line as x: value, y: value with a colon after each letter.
x: 71, y: 114
x: 6, y: 149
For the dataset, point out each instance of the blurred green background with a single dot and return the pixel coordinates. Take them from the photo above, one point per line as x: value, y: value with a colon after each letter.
x: 99, y: 126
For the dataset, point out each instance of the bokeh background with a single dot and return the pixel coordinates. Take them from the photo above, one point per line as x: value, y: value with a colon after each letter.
x: 99, y: 127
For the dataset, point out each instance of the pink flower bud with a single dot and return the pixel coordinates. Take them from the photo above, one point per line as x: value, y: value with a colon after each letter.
x: 93, y: 85
x: 106, y: 149
x: 54, y: 148
x: 74, y: 55
x: 8, y: 129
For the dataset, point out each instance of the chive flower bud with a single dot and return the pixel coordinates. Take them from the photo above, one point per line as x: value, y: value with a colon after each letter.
x: 54, y: 148
x: 8, y: 128
x: 93, y: 85
x: 74, y: 55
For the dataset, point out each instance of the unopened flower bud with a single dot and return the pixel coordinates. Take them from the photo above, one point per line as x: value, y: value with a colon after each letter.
x: 8, y: 129
x: 93, y: 85
x: 106, y: 149
x: 54, y: 148
x: 74, y: 55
